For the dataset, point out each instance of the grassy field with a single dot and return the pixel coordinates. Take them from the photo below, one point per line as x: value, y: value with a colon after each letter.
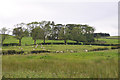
x: 100, y: 64
x: 29, y: 41
x: 73, y: 62
x: 108, y: 41
x: 113, y: 37
x: 54, y: 48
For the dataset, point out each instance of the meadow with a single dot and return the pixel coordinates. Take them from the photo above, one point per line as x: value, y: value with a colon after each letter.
x: 29, y: 41
x: 109, y: 40
x: 54, y: 48
x: 63, y: 61
x: 100, y: 64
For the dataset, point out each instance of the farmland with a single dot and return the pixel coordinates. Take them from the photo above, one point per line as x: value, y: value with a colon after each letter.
x: 52, y: 39
x: 110, y: 40
x: 29, y: 41
x: 101, y: 64
x: 63, y: 61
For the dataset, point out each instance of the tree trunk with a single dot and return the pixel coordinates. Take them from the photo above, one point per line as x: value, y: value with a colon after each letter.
x: 44, y: 39
x: 65, y: 42
x: 34, y: 42
x: 3, y: 38
x: 57, y: 37
x: 2, y: 42
x: 97, y: 39
x: 19, y: 42
x: 77, y: 42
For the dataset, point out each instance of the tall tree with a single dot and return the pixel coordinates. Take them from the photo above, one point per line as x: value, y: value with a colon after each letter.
x: 31, y: 26
x: 26, y: 33
x: 70, y: 26
x: 36, y: 33
x: 77, y: 34
x: 64, y: 34
x: 52, y: 31
x: 89, y: 33
x: 19, y: 32
x: 57, y: 29
x: 98, y: 36
x: 45, y: 25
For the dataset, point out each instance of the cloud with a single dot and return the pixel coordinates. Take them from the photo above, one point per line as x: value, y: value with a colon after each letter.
x: 102, y: 15
x: 107, y: 25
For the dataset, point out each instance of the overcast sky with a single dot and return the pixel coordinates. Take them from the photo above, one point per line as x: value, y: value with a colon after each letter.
x: 101, y: 14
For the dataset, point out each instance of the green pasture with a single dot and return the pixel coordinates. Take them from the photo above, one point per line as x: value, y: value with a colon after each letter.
x: 110, y: 39
x: 107, y: 41
x: 73, y: 62
x: 54, y: 48
x: 99, y: 64
x: 29, y: 40
x: 113, y: 37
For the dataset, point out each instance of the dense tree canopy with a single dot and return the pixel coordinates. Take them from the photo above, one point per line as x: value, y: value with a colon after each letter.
x: 49, y: 30
x: 45, y: 25
x: 19, y: 32
x: 77, y: 35
x: 37, y: 33
x: 89, y: 33
x: 64, y: 34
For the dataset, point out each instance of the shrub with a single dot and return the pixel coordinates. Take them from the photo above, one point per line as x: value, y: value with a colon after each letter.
x: 115, y: 47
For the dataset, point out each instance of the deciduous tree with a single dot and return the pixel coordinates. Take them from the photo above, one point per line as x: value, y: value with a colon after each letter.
x: 77, y: 34
x: 64, y: 34
x: 36, y: 33
x: 45, y: 25
x: 19, y: 32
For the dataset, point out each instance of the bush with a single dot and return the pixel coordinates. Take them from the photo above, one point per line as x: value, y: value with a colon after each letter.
x: 115, y: 47
x: 11, y: 44
x: 12, y: 52
x: 99, y: 49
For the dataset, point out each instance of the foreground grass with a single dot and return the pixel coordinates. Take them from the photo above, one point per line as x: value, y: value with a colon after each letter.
x: 100, y: 64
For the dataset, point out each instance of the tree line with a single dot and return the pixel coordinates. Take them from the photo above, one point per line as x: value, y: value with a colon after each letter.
x: 49, y: 30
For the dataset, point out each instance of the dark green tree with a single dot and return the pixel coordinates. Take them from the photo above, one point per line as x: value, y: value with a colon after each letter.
x: 64, y: 34
x: 57, y: 29
x: 26, y: 33
x: 52, y: 31
x: 71, y: 26
x: 98, y: 36
x: 77, y: 35
x: 89, y: 33
x: 36, y: 33
x: 19, y: 32
x: 45, y: 25
x: 31, y: 26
